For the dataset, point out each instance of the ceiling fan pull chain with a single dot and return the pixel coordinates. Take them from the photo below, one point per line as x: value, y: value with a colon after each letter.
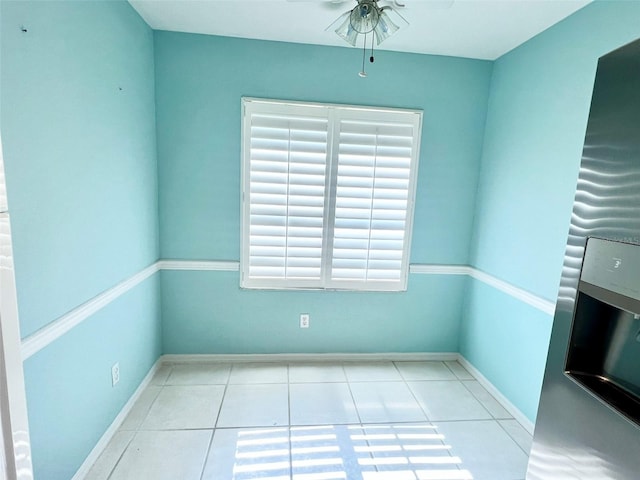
x: 364, y: 54
x: 371, y: 59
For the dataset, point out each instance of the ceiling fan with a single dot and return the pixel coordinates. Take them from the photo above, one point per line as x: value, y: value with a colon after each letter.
x: 368, y: 17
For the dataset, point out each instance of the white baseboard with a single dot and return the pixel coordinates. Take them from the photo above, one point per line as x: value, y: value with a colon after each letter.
x: 308, y: 357
x: 504, y: 401
x: 113, y: 428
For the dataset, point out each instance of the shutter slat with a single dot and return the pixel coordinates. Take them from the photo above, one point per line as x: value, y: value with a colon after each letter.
x: 274, y: 262
x: 353, y: 212
x: 263, y: 251
x: 350, y: 243
x: 264, y: 240
x: 268, y: 209
x: 267, y: 230
x: 266, y: 272
x: 263, y: 192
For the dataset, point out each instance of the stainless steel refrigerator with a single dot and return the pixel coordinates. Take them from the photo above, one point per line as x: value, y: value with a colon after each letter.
x: 588, y: 424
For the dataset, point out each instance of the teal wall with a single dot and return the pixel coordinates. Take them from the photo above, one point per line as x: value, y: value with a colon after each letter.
x: 426, y: 318
x: 69, y: 395
x: 506, y: 340
x: 78, y: 130
x: 79, y: 143
x: 199, y: 83
x: 537, y: 117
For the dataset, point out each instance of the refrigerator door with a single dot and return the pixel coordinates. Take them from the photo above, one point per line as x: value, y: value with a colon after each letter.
x: 604, y: 347
x: 576, y: 435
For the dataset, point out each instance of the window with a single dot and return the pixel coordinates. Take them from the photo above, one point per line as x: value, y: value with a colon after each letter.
x: 327, y: 195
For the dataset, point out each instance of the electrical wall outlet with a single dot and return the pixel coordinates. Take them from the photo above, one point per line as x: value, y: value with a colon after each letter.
x: 115, y: 374
x: 304, y: 320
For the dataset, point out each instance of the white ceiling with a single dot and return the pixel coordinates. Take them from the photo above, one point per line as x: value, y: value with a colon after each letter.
x: 484, y: 29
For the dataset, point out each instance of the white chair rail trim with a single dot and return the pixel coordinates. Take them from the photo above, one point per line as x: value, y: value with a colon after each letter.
x: 204, y: 265
x: 518, y: 293
x: 43, y: 337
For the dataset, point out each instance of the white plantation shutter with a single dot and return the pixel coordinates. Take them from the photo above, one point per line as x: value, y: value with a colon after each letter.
x: 287, y: 162
x: 327, y: 195
x: 372, y: 202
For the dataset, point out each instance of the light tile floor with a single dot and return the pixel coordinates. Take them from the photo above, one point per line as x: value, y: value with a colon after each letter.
x: 316, y: 421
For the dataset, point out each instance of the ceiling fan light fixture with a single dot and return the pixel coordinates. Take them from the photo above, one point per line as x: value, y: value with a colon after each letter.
x: 385, y: 27
x: 365, y: 16
x: 347, y: 32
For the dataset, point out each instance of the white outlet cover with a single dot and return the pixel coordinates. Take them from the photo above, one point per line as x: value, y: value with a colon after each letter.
x: 304, y: 320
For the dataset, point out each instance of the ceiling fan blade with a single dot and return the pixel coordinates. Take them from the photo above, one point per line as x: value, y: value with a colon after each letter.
x: 435, y: 4
x: 326, y: 4
x: 397, y: 15
x: 430, y: 4
x: 338, y: 20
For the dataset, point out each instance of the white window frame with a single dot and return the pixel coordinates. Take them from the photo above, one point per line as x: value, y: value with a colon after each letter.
x: 334, y: 114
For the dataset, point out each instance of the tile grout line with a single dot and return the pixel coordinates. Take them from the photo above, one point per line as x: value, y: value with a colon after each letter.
x: 155, y: 399
x: 206, y: 454
x: 137, y: 429
x: 406, y: 382
x: 451, y: 370
x: 473, y: 395
x: 511, y: 436
x: 289, y: 422
x: 215, y: 424
x: 355, y: 405
x: 459, y: 465
x: 429, y: 421
x: 353, y: 398
x: 121, y: 455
